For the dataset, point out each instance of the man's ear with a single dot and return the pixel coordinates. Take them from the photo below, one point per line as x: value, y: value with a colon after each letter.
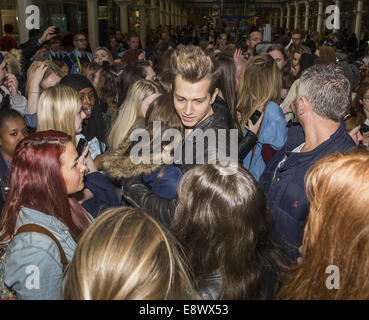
x: 303, y: 105
x: 216, y: 91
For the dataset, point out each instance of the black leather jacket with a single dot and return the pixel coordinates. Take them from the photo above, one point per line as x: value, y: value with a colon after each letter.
x: 140, y: 196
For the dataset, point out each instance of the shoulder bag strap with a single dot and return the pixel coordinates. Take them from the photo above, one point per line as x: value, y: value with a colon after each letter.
x: 37, y: 228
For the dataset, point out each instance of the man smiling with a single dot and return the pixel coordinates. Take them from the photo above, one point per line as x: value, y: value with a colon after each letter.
x: 194, y: 92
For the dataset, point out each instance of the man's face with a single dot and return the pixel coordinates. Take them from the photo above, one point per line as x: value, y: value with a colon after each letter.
x: 51, y: 81
x: 296, y: 39
x: 2, y: 71
x: 133, y: 43
x: 80, y: 43
x: 255, y: 38
x: 193, y: 101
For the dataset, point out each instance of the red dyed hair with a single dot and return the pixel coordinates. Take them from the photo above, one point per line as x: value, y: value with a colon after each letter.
x: 131, y: 56
x: 37, y: 182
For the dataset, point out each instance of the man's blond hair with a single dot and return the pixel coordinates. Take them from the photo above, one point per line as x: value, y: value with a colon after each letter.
x: 193, y: 65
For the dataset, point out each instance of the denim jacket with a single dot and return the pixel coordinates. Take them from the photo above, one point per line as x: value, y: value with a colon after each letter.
x: 32, y: 266
x: 274, y: 132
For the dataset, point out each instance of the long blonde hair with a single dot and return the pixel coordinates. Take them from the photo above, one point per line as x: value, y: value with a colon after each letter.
x: 261, y: 82
x: 57, y: 110
x: 127, y: 255
x: 131, y: 110
x: 337, y: 230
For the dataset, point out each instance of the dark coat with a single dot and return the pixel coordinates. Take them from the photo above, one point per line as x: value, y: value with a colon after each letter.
x: 285, y: 188
x: 139, y: 195
x: 103, y: 191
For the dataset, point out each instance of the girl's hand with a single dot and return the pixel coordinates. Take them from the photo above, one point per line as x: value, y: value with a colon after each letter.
x: 12, y: 84
x: 254, y: 127
x: 37, y: 76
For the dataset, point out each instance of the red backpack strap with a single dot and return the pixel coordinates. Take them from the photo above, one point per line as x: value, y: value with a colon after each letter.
x: 37, y: 228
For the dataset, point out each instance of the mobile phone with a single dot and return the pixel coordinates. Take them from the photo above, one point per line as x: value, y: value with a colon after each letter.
x: 82, y: 143
x: 255, y: 117
x: 56, y: 30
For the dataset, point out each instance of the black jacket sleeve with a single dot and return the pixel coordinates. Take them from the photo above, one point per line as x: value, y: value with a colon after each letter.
x: 246, y: 144
x: 138, y: 195
x: 29, y: 48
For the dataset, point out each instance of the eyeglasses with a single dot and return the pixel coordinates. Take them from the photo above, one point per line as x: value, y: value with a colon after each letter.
x: 81, y: 39
x: 366, y: 98
x: 296, y: 39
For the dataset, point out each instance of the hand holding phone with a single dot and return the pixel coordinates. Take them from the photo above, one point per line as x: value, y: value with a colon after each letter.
x: 255, y: 117
x: 82, y: 143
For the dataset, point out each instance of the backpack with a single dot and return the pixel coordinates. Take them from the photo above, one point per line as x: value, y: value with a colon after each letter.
x: 5, y: 292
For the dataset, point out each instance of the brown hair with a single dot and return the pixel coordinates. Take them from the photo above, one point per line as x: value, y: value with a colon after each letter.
x: 89, y: 70
x: 261, y: 82
x: 165, y: 79
x: 131, y: 56
x: 327, y: 54
x: 162, y: 109
x: 224, y: 223
x: 337, y: 230
x: 357, y: 107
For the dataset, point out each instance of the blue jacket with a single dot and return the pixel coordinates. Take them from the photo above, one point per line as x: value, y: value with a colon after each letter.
x: 167, y: 186
x: 285, y: 188
x: 103, y: 191
x: 274, y: 132
x: 32, y: 266
x: 59, y: 55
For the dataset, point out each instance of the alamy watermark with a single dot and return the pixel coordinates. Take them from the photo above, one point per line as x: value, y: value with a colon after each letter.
x: 333, y: 281
x: 33, y: 17
x: 333, y: 21
x: 210, y: 146
x: 33, y: 280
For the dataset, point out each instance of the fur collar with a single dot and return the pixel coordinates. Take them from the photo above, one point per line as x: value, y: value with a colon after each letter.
x: 119, y: 163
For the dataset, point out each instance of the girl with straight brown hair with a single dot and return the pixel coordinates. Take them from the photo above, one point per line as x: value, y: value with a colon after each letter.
x: 223, y: 221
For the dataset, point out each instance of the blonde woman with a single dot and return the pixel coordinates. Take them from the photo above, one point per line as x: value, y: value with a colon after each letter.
x: 336, y: 234
x: 139, y: 97
x: 60, y: 109
x: 260, y: 89
x: 127, y: 255
x: 102, y: 54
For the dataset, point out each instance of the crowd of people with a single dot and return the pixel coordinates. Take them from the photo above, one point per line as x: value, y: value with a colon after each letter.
x: 95, y: 206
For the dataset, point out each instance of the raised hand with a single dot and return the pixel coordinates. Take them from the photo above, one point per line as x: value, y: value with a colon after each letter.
x: 11, y: 83
x: 48, y: 34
